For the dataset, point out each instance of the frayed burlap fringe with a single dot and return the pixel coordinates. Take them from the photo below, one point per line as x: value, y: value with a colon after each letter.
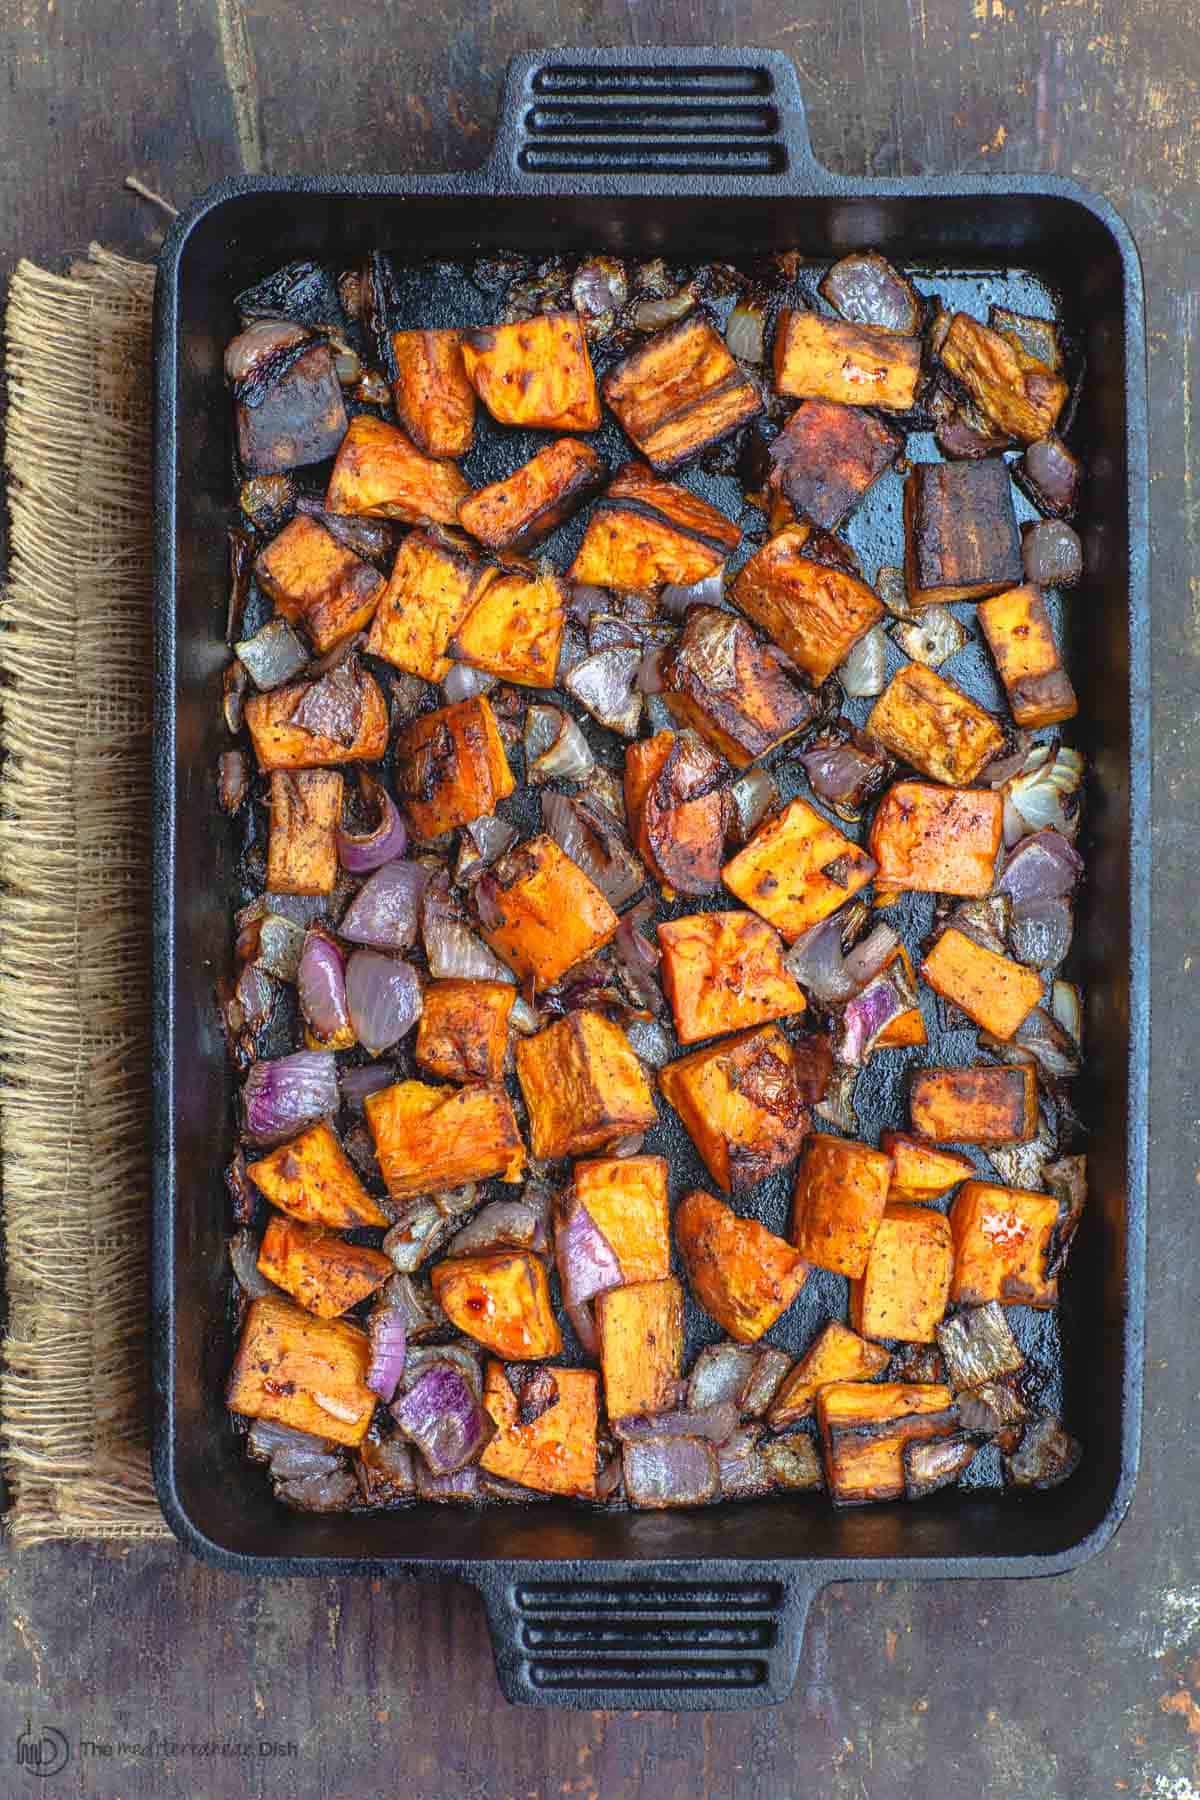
x: 75, y: 656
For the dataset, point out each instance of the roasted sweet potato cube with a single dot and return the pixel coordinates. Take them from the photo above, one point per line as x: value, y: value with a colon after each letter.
x: 515, y: 629
x: 463, y: 1032
x: 380, y: 474
x: 993, y: 990
x: 640, y: 1328
x: 920, y: 1173
x: 677, y: 804
x: 928, y: 722
x: 864, y: 1427
x: 816, y: 614
x: 543, y: 914
x: 501, y: 1300
x: 741, y: 1273
x: 960, y: 532
x: 937, y: 840
x: 796, y: 869
x: 529, y: 504
x: 435, y: 581
x: 308, y: 1373
x: 318, y: 583
x: 1021, y: 639
x: 908, y: 1027
x: 741, y: 1104
x: 644, y: 532
x: 856, y: 365
x: 536, y: 373
x: 837, y: 1202
x: 902, y: 1291
x: 987, y: 1105
x: 306, y: 805
x: 837, y: 1354
x: 723, y: 971
x: 584, y: 1087
x: 279, y: 743
x: 827, y: 456
x: 318, y: 1268
x: 680, y: 392
x: 1002, y: 1241
x: 435, y: 402
x: 732, y: 688
x: 299, y: 418
x: 313, y: 1179
x: 452, y: 767
x: 626, y: 1198
x: 431, y: 1139
x: 1014, y: 389
x: 555, y: 1452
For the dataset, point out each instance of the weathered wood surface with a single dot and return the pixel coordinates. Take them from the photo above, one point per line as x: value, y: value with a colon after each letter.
x: 1081, y: 1687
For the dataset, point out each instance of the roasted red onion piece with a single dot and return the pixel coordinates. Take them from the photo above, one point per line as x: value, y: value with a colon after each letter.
x: 845, y: 769
x: 763, y: 1382
x: 259, y: 345
x: 978, y: 1345
x: 794, y: 1462
x: 233, y: 779
x: 865, y: 289
x: 385, y: 1329
x: 273, y: 655
x: 1044, y: 866
x: 502, y: 1225
x: 555, y: 747
x: 383, y: 995
x: 1066, y: 1179
x: 741, y: 1470
x: 745, y: 331
x: 714, y: 1422
x: 452, y: 949
x: 596, y: 843
x: 268, y: 1440
x: 932, y: 638
x: 356, y: 1084
x: 463, y: 682
x: 820, y: 965
x: 463, y: 1488
x: 284, y: 1096
x: 587, y: 1265
x: 651, y: 1042
x: 867, y: 1014
x: 444, y: 1419
x: 384, y: 1467
x: 708, y: 591
x: 1041, y: 1037
x: 1051, y: 554
x: 416, y: 1306
x: 384, y: 841
x: 862, y: 674
x: 720, y: 1372
x: 836, y: 1105
x: 1047, y: 1456
x: 234, y: 684
x: 1045, y: 792
x: 637, y: 955
x: 243, y: 1257
x: 933, y: 1463
x: 332, y: 706
x: 664, y: 1472
x: 1040, y: 933
x: 386, y: 911
x: 604, y: 684
x: 754, y: 795
x: 321, y: 985
x: 1050, y: 476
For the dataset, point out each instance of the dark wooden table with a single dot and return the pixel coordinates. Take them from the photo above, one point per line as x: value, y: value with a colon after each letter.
x: 1080, y: 1687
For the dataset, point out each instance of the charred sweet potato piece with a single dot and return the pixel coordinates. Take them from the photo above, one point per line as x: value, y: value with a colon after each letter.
x: 864, y: 1427
x: 741, y: 1273
x: 291, y: 415
x: 837, y: 1354
x: 1002, y: 1241
x: 536, y: 373
x: 837, y: 1202
x: 677, y: 803
x: 960, y: 532
x: 641, y: 1346
x: 796, y: 869
x: 502, y: 1300
x: 626, y: 1198
x: 992, y: 1105
x: 527, y: 505
x: 380, y: 474
x: 320, y: 1270
x: 857, y: 365
x: 541, y: 913
x: 815, y: 613
x: 993, y: 990
x: 515, y: 628
x: 437, y: 1138
x: 1014, y: 389
x: 435, y: 581
x: 928, y: 722
x: 584, y: 1088
x: 434, y: 401
x: 724, y: 971
x: 680, y: 392
x: 313, y: 1179
x: 827, y: 456
x: 937, y: 840
x: 452, y: 767
x: 281, y: 743
x: 306, y: 805
x: 920, y: 1173
x: 902, y: 1291
x: 644, y: 532
x: 721, y: 679
x: 908, y: 1027
x: 741, y: 1104
x: 463, y: 1032
x: 1021, y: 639
x: 308, y: 1373
x: 318, y: 583
x: 554, y: 1452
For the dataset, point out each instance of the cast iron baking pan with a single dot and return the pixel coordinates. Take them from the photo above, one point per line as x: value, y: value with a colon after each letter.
x: 692, y: 154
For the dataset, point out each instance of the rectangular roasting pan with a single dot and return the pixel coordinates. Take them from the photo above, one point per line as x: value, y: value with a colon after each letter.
x: 692, y: 154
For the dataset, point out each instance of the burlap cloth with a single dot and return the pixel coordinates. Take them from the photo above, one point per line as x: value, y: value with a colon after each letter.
x: 75, y: 659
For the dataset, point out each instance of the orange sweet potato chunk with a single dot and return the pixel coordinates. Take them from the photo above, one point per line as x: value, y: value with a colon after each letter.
x: 903, y: 1289
x: 430, y: 1139
x: 1002, y: 1238
x: 1020, y: 637
x: 313, y: 1179
x: 543, y: 913
x: 679, y: 392
x: 857, y: 365
x: 735, y: 690
x: 921, y: 1173
x: 796, y: 869
x: 515, y: 628
x: 741, y: 1273
x: 318, y: 1268
x: 463, y: 1030
x: 280, y: 744
x: 526, y: 506
x: 452, y: 767
x: 584, y: 1088
x: 837, y: 1354
x: 937, y: 840
x: 837, y: 1202
x: 536, y: 373
x: 304, y: 1372
x: 677, y: 803
x: 317, y: 583
x: 985, y: 1105
x: 554, y: 1453
x: 993, y: 990
x: 380, y: 474
x: 741, y: 1104
x: 864, y: 1427
x: 814, y: 612
x: 501, y: 1300
x: 435, y: 581
x: 434, y: 401
x: 626, y: 1198
x: 724, y: 971
x: 645, y: 532
x: 931, y: 724
x: 1019, y: 394
x: 306, y: 805
x: 641, y: 1346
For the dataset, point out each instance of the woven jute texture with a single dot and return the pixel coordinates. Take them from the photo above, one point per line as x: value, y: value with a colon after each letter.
x: 75, y: 656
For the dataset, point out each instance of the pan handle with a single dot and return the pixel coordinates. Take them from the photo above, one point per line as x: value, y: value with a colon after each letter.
x: 656, y: 1641
x: 587, y: 119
